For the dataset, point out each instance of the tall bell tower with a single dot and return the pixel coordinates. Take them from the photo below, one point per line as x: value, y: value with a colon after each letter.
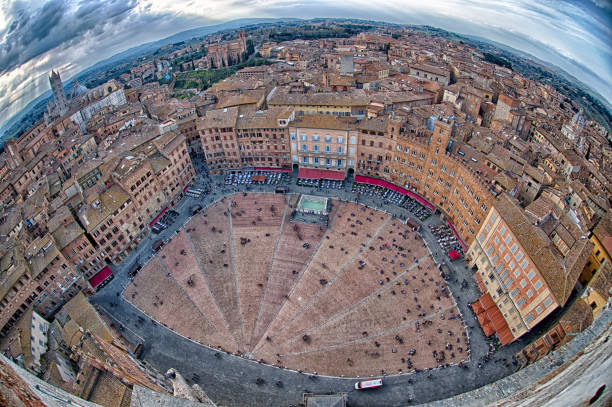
x: 59, y: 97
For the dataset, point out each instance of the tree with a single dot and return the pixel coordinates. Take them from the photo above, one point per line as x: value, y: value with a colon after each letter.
x: 250, y: 48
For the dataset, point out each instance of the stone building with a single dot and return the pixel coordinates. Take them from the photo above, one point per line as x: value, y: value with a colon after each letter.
x: 521, y: 270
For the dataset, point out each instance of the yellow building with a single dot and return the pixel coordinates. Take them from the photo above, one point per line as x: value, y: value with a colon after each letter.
x: 598, y: 290
x: 602, y: 248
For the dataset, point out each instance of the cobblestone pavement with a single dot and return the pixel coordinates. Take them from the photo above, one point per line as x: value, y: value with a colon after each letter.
x: 230, y: 380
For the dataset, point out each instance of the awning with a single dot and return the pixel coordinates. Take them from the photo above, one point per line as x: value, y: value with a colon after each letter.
x: 273, y: 169
x: 258, y: 178
x: 454, y: 255
x: 158, y: 216
x: 492, y: 320
x: 488, y: 329
x: 100, y: 277
x: 362, y: 179
x: 186, y: 188
x: 483, y: 288
x: 477, y: 307
x: 314, y: 173
x: 456, y: 234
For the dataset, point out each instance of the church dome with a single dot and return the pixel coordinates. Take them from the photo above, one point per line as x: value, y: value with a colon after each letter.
x: 78, y: 89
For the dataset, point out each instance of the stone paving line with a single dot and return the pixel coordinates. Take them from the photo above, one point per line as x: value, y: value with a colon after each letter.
x: 331, y: 281
x: 265, y: 287
x: 355, y: 305
x: 226, y: 381
x: 233, y: 254
x: 376, y: 335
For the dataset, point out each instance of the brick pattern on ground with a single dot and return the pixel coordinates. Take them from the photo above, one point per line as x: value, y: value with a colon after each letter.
x: 287, y: 266
x: 158, y: 296
x: 359, y: 281
x: 342, y: 242
x: 182, y: 264
x: 210, y: 234
x: 254, y: 245
x: 351, y: 299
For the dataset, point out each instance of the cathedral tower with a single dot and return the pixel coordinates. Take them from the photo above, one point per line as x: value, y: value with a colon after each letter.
x: 59, y: 97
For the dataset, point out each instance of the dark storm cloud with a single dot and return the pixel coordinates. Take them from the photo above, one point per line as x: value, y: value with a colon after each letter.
x: 56, y: 23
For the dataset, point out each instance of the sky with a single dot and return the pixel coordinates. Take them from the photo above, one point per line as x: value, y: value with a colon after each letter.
x: 71, y: 35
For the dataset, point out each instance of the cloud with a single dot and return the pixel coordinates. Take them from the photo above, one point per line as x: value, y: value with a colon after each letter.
x: 58, y: 22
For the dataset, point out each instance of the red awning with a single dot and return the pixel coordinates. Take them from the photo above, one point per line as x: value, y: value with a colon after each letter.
x: 158, y: 216
x: 273, y: 169
x: 421, y: 200
x: 258, y: 178
x: 483, y: 319
x: 454, y: 255
x: 100, y: 277
x: 186, y: 188
x: 362, y: 179
x: 483, y: 288
x: 492, y: 320
x: 487, y: 301
x: 314, y: 173
x: 477, y: 307
x: 456, y: 234
x: 504, y: 335
x: 488, y: 329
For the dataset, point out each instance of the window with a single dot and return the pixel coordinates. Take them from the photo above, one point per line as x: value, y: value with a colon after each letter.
x: 539, y: 309
x: 340, y: 150
x: 502, y: 231
x: 547, y: 302
x: 303, y: 137
x: 519, y: 256
x: 340, y: 140
x: 538, y: 285
x: 529, y: 318
x: 305, y: 160
x: 531, y: 275
x: 523, y: 283
x: 530, y: 293
x: 513, y: 248
x: 315, y: 148
x: 516, y: 273
x: 515, y: 292
x: 328, y: 139
x: 521, y: 302
x: 316, y: 160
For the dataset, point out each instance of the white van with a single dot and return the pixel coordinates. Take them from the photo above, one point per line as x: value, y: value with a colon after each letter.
x: 368, y: 384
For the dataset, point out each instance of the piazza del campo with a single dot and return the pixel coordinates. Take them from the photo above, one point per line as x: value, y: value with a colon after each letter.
x: 280, y: 213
